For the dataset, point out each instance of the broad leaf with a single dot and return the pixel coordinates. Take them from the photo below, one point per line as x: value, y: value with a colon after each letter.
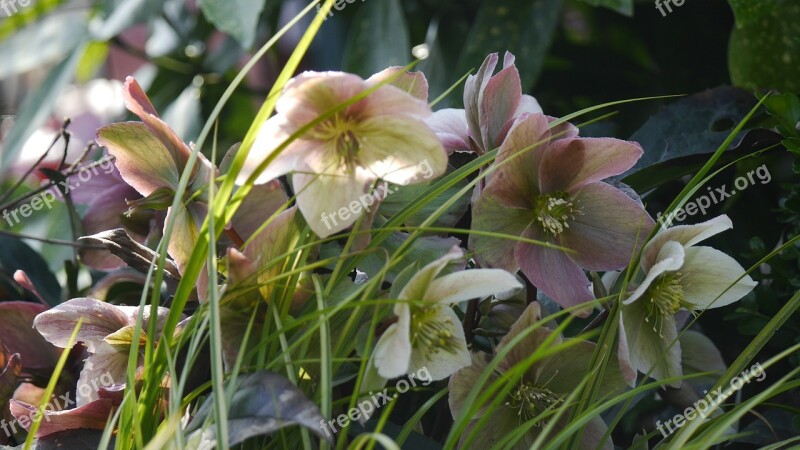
x: 238, y: 18
x: 263, y: 403
x: 16, y: 255
x: 621, y: 6
x: 523, y: 27
x: 378, y: 38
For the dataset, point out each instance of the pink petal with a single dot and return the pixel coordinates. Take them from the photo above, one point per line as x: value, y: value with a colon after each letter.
x: 606, y: 231
x: 515, y: 180
x: 141, y: 158
x: 499, y: 101
x: 414, y: 83
x: 389, y: 101
x: 91, y: 416
x: 99, y: 320
x: 569, y: 164
x: 553, y: 272
x: 489, y: 215
x: 311, y: 94
x: 473, y: 90
x: 450, y: 126
x: 401, y: 150
x: 137, y: 102
x: 259, y: 205
x: 528, y: 104
x: 18, y: 336
x: 270, y: 136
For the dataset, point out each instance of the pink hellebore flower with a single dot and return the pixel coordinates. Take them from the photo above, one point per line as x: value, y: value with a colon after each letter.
x: 491, y: 103
x: 335, y: 163
x: 552, y: 191
x: 151, y: 158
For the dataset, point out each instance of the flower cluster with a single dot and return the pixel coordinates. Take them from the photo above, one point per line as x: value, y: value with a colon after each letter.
x: 548, y: 213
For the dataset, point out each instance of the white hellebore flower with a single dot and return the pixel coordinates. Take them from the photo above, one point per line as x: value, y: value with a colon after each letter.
x: 679, y: 275
x: 428, y: 334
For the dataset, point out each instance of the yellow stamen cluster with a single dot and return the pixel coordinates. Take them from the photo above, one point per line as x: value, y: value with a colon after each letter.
x: 429, y: 333
x: 665, y: 297
x: 530, y: 401
x: 554, y: 211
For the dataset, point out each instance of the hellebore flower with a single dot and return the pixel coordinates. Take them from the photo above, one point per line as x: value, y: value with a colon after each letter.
x: 678, y: 276
x: 107, y: 332
x: 491, y: 103
x: 543, y: 388
x: 428, y: 332
x: 333, y: 165
x: 151, y: 158
x: 552, y: 192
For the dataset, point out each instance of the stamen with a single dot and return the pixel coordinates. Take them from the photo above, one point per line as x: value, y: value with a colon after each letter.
x: 429, y: 333
x: 530, y: 401
x: 554, y: 211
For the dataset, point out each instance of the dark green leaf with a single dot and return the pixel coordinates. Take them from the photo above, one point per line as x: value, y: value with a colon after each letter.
x: 16, y: 255
x: 403, y: 195
x: 697, y: 124
x: 238, y: 18
x: 523, y: 27
x: 749, y: 11
x: 621, y: 6
x: 764, y: 50
x: 263, y: 403
x: 378, y: 38
x: 78, y: 439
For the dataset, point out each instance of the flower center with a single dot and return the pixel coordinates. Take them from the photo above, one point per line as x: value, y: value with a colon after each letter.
x: 554, y: 211
x: 341, y: 132
x: 531, y: 401
x: 429, y: 333
x: 665, y: 296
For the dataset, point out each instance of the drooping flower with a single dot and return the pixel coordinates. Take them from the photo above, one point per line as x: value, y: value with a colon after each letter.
x: 428, y: 332
x: 491, y: 103
x: 151, y: 158
x: 106, y: 332
x: 552, y: 191
x: 678, y: 276
x: 544, y: 386
x: 380, y: 137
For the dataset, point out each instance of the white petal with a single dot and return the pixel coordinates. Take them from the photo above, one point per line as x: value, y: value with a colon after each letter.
x: 670, y: 258
x: 468, y: 284
x: 418, y: 285
x: 528, y: 104
x: 709, y: 278
x: 393, y: 351
x: 687, y: 235
x: 270, y: 136
x: 442, y: 364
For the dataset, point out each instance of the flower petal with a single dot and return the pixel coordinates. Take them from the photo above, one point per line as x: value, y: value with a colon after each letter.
x: 393, y: 351
x: 441, y: 364
x: 605, y: 232
x: 141, y: 158
x: 710, y: 278
x: 488, y: 215
x: 99, y: 320
x: 499, y: 101
x: 93, y: 416
x: 687, y: 235
x: 108, y: 364
x: 473, y: 90
x: 270, y: 136
x: 463, y: 382
x: 329, y: 200
x: 310, y: 94
x: 468, y: 284
x: 569, y: 164
x: 450, y: 126
x: 670, y: 259
x: 553, y: 272
x: 530, y: 343
x: 259, y: 205
x: 516, y: 182
x: 419, y: 284
x: 528, y: 104
x: 18, y: 336
x: 401, y: 150
x: 650, y: 349
x: 186, y: 231
x: 414, y: 83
